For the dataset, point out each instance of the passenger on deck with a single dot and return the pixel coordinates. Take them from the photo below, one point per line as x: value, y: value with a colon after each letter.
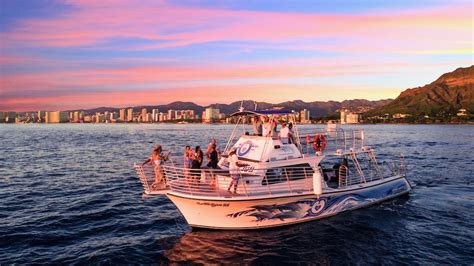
x: 198, y: 157
x: 284, y: 134
x: 213, y: 158
x: 234, y: 165
x: 291, y: 138
x: 274, y: 127
x: 209, y: 148
x: 257, y: 126
x: 157, y: 158
x: 267, y: 127
x: 188, y: 161
x: 187, y: 156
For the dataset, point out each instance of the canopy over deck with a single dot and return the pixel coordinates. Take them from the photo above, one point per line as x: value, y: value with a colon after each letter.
x: 263, y: 112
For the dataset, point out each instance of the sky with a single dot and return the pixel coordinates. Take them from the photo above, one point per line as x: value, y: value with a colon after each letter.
x: 72, y: 54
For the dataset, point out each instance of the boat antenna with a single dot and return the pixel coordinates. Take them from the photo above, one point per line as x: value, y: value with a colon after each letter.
x: 241, y: 108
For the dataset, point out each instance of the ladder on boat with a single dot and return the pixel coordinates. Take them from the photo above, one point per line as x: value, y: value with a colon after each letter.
x: 358, y: 168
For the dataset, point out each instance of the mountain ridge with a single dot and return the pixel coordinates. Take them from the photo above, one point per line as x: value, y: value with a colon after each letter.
x: 316, y: 108
x: 442, y: 97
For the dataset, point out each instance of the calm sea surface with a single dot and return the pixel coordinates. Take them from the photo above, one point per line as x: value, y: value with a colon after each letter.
x: 68, y: 194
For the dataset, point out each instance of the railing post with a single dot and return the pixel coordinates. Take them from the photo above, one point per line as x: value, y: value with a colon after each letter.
x: 266, y: 180
x: 288, y: 181
x: 243, y: 182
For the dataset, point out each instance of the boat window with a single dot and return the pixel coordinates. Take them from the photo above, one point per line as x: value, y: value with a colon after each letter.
x: 282, y: 174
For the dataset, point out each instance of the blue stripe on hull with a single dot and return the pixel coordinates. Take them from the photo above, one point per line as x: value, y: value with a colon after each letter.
x: 312, y: 208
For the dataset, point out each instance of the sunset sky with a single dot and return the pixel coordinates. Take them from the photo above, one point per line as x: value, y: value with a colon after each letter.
x: 59, y: 55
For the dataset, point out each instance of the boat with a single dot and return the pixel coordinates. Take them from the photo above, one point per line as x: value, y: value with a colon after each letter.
x: 311, y: 175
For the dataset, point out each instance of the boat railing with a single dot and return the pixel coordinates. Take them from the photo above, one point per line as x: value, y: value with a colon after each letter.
x: 146, y: 174
x: 395, y: 167
x: 256, y: 182
x: 215, y: 182
x: 337, y: 140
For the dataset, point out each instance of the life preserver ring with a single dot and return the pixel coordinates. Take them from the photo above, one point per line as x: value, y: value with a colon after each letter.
x: 319, y: 143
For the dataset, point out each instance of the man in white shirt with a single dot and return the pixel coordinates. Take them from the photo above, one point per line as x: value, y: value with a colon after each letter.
x: 284, y: 133
x: 234, y: 165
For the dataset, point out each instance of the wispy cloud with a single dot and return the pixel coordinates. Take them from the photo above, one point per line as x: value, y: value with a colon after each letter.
x: 124, y: 48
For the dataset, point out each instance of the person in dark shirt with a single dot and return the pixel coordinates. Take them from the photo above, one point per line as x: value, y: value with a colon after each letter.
x: 197, y: 158
x: 213, y: 157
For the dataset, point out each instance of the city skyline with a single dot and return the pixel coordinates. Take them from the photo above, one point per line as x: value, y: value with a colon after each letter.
x: 63, y: 55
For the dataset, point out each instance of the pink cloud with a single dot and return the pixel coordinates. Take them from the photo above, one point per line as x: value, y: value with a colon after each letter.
x: 171, y: 26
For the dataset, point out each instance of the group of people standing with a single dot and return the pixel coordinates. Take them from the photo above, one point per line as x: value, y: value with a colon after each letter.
x: 193, y: 159
x: 268, y: 127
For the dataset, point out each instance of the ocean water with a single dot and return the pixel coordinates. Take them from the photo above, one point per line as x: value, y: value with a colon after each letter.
x: 68, y: 194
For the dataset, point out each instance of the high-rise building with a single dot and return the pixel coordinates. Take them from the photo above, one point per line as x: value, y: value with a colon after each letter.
x: 113, y: 116
x: 3, y: 117
x: 76, y: 116
x: 144, y: 115
x: 41, y: 115
x: 56, y: 117
x: 211, y: 115
x: 100, y: 118
x: 161, y: 117
x: 155, y: 115
x: 123, y: 115
x: 130, y: 115
x: 171, y: 115
x: 305, y: 116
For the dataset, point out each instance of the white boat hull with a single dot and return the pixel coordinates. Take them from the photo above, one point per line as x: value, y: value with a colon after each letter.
x: 237, y: 213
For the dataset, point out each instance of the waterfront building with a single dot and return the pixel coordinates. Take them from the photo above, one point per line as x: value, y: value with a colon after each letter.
x: 171, y: 115
x: 41, y: 115
x: 211, y: 115
x: 76, y: 116
x: 100, y: 118
x: 56, y: 117
x: 161, y: 117
x: 144, y: 115
x: 349, y: 118
x: 305, y: 116
x: 9, y: 117
x: 113, y: 116
x: 123, y: 115
x: 399, y: 115
x: 130, y: 115
x: 155, y: 115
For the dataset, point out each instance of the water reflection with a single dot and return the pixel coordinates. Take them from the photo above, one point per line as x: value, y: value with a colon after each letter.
x: 317, y: 241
